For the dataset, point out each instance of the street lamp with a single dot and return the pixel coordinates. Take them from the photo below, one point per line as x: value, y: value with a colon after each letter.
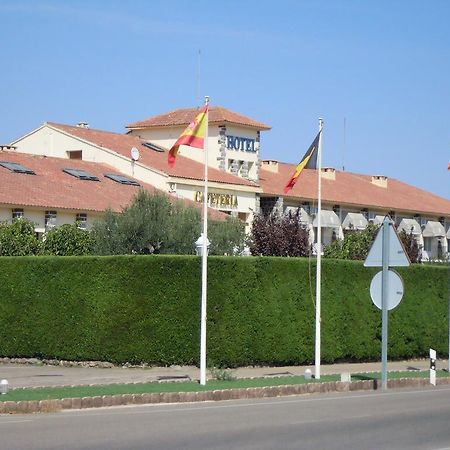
x: 199, y: 245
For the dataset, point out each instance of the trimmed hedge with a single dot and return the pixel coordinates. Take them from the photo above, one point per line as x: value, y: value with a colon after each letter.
x: 260, y: 310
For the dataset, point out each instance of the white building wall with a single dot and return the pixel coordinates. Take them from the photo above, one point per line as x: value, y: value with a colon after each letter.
x: 49, y: 142
x: 37, y: 216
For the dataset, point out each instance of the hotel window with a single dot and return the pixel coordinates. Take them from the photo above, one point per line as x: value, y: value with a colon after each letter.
x: 17, y: 213
x: 81, y: 220
x: 50, y: 219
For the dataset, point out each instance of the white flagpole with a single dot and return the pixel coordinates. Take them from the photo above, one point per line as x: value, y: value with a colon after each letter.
x: 204, y: 259
x: 319, y: 252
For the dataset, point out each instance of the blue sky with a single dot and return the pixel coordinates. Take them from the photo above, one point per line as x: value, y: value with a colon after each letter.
x: 380, y: 67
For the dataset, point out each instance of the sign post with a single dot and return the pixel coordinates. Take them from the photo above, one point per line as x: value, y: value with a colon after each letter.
x: 386, y: 251
x: 384, y: 310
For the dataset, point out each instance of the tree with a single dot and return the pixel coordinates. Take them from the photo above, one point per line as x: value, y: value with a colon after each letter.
x: 275, y: 235
x: 410, y: 245
x: 355, y: 245
x: 153, y: 223
x: 18, y: 239
x: 184, y: 229
x: 68, y: 240
x: 141, y: 227
x: 106, y: 236
x: 227, y: 236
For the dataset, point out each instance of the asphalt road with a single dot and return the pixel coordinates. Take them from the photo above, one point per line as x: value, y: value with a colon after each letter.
x: 391, y: 420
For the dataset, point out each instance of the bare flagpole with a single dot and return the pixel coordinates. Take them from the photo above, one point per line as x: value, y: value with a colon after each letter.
x: 204, y: 258
x: 319, y: 252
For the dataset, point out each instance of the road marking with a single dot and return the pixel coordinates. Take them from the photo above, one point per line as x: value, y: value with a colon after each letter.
x: 7, y: 422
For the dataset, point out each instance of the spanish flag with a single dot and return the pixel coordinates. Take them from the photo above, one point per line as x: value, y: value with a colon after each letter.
x: 192, y: 136
x: 309, y: 161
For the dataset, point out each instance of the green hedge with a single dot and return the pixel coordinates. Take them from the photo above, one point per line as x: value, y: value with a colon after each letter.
x: 260, y: 310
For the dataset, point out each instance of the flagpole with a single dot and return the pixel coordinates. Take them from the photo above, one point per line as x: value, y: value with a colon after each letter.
x: 318, y: 252
x: 204, y: 258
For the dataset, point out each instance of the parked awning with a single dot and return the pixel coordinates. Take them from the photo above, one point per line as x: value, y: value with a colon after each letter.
x: 433, y: 229
x: 409, y: 225
x: 304, y: 217
x: 355, y: 221
x: 377, y: 220
x: 328, y: 219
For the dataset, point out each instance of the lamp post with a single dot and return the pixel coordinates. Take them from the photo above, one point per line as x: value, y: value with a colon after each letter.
x: 201, y: 247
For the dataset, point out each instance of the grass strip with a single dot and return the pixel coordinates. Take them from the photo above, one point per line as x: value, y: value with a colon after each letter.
x: 25, y: 394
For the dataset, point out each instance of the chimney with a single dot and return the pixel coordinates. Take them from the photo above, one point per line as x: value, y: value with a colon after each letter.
x: 7, y: 148
x: 328, y: 173
x: 270, y: 165
x: 380, y: 180
x: 83, y: 125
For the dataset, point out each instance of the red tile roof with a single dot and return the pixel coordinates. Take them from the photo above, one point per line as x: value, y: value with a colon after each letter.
x: 52, y: 188
x: 122, y: 144
x: 354, y: 189
x: 217, y: 115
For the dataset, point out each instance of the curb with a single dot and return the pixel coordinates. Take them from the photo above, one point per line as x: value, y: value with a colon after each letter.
x: 42, y: 406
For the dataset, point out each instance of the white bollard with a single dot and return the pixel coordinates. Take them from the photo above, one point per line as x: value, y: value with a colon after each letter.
x: 308, y: 374
x: 346, y: 377
x: 432, y: 367
x: 4, y: 386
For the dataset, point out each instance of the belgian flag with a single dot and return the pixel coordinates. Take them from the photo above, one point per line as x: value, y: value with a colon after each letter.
x: 309, y: 161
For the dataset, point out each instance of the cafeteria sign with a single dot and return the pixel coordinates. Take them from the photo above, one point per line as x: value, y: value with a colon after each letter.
x: 218, y: 200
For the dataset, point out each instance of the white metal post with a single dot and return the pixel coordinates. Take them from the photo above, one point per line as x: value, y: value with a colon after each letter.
x: 204, y: 259
x: 318, y: 252
x: 384, y: 299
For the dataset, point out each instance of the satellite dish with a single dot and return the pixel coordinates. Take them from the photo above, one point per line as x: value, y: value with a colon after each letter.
x: 135, y: 154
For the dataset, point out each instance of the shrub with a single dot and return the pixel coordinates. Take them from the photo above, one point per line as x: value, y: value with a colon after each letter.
x: 68, y: 240
x: 274, y: 235
x: 18, y: 239
x: 260, y: 310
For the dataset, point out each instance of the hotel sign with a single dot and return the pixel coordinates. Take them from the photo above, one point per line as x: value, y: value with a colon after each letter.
x: 218, y: 200
x: 240, y: 143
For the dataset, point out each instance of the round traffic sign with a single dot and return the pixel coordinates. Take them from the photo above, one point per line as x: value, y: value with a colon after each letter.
x: 394, y: 291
